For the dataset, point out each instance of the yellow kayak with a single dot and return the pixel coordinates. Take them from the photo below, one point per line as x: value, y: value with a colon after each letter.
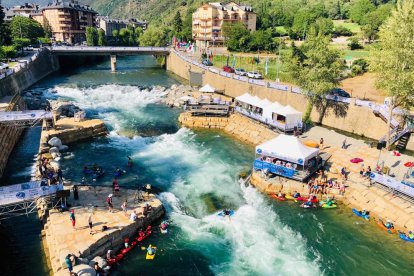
x: 290, y: 197
x: 151, y: 257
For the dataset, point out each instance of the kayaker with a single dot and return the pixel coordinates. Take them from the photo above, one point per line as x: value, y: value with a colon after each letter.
x: 389, y: 224
x: 126, y: 243
x: 226, y: 212
x: 410, y: 235
x: 109, y: 255
x: 364, y: 212
x: 296, y: 194
x: 151, y: 250
x: 164, y: 225
x: 308, y: 203
x: 99, y: 271
x: 68, y: 262
x: 129, y: 161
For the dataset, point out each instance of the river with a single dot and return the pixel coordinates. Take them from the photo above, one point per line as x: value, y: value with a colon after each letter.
x: 195, y: 175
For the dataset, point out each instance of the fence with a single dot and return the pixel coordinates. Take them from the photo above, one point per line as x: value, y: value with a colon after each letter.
x: 393, y: 184
x: 20, y: 66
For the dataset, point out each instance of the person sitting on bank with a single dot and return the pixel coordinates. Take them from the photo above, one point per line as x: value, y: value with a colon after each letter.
x: 410, y: 235
x: 133, y: 216
x: 296, y: 194
x: 151, y: 250
x: 389, y: 224
x: 364, y: 212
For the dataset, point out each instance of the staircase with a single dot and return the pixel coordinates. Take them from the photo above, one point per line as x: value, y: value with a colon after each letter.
x: 402, y: 143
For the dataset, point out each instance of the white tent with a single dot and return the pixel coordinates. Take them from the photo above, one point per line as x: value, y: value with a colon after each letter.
x: 293, y: 117
x: 248, y: 99
x: 263, y: 103
x: 270, y: 109
x: 207, y: 89
x: 287, y: 148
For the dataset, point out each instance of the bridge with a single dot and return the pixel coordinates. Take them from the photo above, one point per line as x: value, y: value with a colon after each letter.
x: 112, y: 51
x: 24, y: 118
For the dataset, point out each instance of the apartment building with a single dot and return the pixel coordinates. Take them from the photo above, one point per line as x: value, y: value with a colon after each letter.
x: 26, y: 9
x: 67, y: 20
x: 109, y: 25
x: 209, y: 18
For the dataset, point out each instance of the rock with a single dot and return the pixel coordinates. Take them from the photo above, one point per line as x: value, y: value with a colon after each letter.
x: 84, y: 270
x: 101, y: 262
x: 63, y: 148
x: 28, y: 94
x: 54, y: 150
x: 55, y: 142
x: 55, y: 165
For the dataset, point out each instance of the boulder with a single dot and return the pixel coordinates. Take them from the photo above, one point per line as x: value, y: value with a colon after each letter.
x: 101, y: 262
x: 84, y: 270
x: 55, y: 142
x: 63, y: 148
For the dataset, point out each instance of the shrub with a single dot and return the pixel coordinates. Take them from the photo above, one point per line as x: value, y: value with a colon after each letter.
x: 354, y: 44
x: 342, y: 31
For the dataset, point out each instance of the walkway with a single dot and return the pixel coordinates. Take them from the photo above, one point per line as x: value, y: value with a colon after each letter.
x: 102, y: 50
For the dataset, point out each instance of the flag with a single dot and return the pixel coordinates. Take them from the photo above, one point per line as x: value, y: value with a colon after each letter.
x: 234, y: 62
x: 227, y: 61
x: 267, y: 66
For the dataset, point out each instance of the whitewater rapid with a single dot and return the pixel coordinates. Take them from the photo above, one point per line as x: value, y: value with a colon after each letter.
x: 197, y: 180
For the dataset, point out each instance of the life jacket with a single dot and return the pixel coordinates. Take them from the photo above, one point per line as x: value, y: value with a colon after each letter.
x: 108, y: 200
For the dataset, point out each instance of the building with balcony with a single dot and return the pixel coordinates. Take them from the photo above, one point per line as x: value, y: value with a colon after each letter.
x: 209, y: 19
x: 67, y: 20
x: 109, y: 25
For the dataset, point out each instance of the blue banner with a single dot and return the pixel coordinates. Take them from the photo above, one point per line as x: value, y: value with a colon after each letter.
x: 279, y: 170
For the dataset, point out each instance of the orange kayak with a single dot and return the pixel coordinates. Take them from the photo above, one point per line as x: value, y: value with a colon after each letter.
x: 382, y: 226
x: 278, y: 197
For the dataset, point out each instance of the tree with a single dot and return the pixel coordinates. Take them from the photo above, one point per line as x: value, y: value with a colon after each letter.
x: 324, y: 26
x: 101, y: 37
x: 177, y: 23
x: 359, y: 9
x: 373, y: 20
x: 9, y: 51
x: 20, y: 43
x: 237, y: 36
x: 393, y: 59
x: 354, y: 43
x: 24, y: 27
x: 91, y: 36
x: 342, y: 31
x: 317, y: 68
x: 153, y: 37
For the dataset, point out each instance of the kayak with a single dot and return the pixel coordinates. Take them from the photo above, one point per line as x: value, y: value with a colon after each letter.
x: 315, y: 200
x: 278, y: 197
x: 329, y: 206
x: 307, y: 206
x: 382, y: 226
x: 143, y: 235
x: 164, y: 231
x: 115, y: 260
x: 221, y: 214
x: 151, y: 257
x: 126, y: 250
x: 403, y: 236
x: 358, y: 213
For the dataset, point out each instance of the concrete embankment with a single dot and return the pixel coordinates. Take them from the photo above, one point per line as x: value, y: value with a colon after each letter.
x: 237, y: 125
x: 11, y: 87
x: 349, y: 118
x: 61, y: 239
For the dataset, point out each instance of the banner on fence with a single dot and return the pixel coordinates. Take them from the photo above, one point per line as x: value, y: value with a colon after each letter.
x: 240, y: 78
x: 26, y: 191
x: 393, y: 184
x: 364, y: 103
x: 216, y: 71
x: 338, y: 99
x: 257, y: 82
x: 277, y: 86
x: 296, y: 90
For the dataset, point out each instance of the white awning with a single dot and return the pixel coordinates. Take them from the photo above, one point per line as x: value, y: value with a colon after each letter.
x: 287, y: 148
x: 270, y: 109
x: 207, y: 89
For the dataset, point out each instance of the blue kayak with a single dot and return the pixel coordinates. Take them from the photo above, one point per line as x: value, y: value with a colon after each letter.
x: 221, y: 214
x: 356, y: 212
x: 404, y: 237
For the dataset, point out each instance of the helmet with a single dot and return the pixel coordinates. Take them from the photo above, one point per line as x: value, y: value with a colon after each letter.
x: 363, y: 209
x: 409, y: 232
x: 110, y: 195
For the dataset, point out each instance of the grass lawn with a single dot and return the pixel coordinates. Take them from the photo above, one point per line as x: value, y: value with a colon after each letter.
x: 354, y: 27
x: 247, y: 64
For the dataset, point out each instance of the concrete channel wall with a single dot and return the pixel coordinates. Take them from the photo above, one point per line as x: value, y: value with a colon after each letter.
x: 12, y: 85
x: 358, y: 120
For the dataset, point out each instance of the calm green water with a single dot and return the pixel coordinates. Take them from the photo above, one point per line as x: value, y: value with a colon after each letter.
x: 195, y: 174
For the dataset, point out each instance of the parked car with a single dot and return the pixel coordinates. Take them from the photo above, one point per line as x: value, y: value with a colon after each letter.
x: 254, y: 75
x: 207, y: 62
x: 240, y: 72
x: 228, y: 69
x: 339, y: 92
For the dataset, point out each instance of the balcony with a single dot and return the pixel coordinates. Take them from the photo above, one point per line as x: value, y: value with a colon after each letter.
x: 65, y: 22
x: 205, y: 19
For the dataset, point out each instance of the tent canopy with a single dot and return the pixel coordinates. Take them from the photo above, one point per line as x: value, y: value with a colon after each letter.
x: 288, y: 110
x: 207, y: 89
x: 248, y: 99
x: 287, y: 148
x: 264, y: 103
x: 270, y: 109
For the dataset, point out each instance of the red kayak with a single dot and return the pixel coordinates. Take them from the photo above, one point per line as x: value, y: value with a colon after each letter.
x: 143, y: 235
x: 126, y: 250
x: 314, y: 200
x: 115, y: 260
x: 278, y: 197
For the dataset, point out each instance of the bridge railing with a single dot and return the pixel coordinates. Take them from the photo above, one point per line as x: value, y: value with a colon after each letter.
x: 108, y: 49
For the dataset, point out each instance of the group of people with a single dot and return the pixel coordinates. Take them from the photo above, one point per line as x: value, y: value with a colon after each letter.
x: 46, y: 171
x: 321, y: 184
x: 278, y: 162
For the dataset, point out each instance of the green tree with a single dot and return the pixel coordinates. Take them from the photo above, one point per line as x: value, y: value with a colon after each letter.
x: 354, y: 43
x: 20, y: 43
x: 317, y: 69
x: 177, y: 23
x: 237, y: 36
x: 359, y: 9
x: 101, y: 37
x: 91, y: 36
x: 9, y: 51
x: 373, y: 21
x: 153, y: 37
x: 324, y: 26
x: 393, y: 58
x: 24, y: 27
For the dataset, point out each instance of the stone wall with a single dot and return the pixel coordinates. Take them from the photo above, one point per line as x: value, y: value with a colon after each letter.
x: 9, y: 135
x: 380, y: 203
x: 202, y: 122
x: 42, y: 66
x: 359, y: 120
